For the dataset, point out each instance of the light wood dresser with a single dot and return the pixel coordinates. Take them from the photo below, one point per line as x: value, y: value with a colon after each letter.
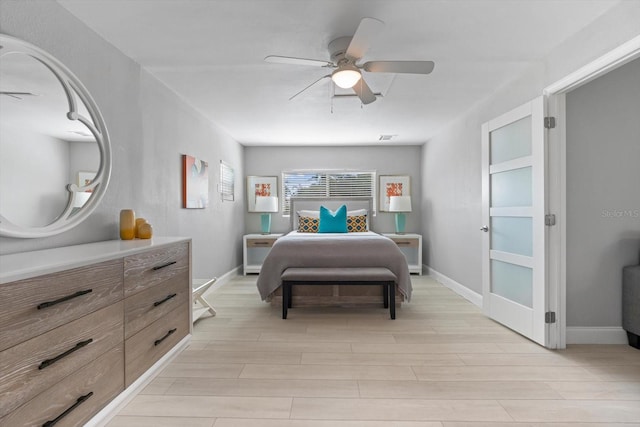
x: 83, y: 328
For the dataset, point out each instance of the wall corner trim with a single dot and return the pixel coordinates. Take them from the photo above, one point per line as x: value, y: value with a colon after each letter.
x: 471, y: 296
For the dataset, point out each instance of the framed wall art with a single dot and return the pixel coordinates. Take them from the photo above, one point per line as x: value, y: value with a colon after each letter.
x: 260, y: 186
x: 392, y: 185
x: 195, y: 183
x: 85, y: 178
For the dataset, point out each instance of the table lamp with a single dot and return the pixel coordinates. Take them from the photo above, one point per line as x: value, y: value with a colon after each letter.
x: 266, y: 205
x: 399, y: 205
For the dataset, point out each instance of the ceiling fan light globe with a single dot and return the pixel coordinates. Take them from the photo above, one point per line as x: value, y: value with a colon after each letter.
x: 346, y: 77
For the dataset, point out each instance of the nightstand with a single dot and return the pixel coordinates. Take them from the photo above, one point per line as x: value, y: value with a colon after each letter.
x: 254, y: 250
x: 411, y: 246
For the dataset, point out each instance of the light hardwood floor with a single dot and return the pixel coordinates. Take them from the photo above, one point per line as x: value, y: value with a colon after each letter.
x: 441, y: 363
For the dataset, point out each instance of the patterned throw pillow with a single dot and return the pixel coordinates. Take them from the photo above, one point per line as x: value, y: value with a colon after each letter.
x: 308, y: 225
x: 357, y: 224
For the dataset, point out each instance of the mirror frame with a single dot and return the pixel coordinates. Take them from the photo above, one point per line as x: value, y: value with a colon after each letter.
x: 72, y: 87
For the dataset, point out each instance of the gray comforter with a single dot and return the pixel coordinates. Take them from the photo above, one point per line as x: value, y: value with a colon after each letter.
x: 332, y: 250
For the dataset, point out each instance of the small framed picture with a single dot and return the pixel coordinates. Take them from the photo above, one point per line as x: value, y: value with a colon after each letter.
x: 264, y: 186
x: 392, y: 185
x: 85, y: 178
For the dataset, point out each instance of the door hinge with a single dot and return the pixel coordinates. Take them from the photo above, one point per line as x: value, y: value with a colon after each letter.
x: 550, y: 317
x: 549, y: 122
x: 550, y: 219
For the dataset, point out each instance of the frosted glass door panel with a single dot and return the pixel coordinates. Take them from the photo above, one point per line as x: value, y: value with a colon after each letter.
x: 511, y: 188
x: 512, y: 282
x: 511, y: 141
x: 512, y: 234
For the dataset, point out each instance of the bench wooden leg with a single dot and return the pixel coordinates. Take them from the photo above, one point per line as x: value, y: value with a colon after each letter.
x: 392, y: 299
x: 286, y: 288
x: 385, y: 295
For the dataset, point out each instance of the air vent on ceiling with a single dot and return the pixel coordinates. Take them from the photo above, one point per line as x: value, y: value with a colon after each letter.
x: 386, y: 137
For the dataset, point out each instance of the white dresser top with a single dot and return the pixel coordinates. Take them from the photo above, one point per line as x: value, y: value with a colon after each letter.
x: 25, y: 265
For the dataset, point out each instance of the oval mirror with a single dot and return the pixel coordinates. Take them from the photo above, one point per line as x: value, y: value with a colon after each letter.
x: 55, y: 158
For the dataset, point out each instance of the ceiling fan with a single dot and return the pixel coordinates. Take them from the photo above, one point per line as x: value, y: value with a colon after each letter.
x: 346, y: 52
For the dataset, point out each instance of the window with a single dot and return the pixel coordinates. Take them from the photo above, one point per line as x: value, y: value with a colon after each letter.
x: 326, y: 184
x: 227, y: 182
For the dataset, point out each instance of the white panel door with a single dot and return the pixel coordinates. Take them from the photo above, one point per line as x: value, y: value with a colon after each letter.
x: 513, y: 204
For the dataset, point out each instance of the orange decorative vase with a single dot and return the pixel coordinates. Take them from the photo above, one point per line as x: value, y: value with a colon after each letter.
x: 139, y: 222
x: 127, y: 224
x: 145, y: 231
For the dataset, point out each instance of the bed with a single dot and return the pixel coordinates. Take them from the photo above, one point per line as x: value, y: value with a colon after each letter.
x: 330, y: 250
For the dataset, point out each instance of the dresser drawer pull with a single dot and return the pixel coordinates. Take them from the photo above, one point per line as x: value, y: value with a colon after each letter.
x: 63, y: 299
x: 403, y: 243
x: 157, y: 303
x: 261, y: 243
x: 81, y: 399
x: 165, y: 337
x: 161, y: 266
x: 78, y: 346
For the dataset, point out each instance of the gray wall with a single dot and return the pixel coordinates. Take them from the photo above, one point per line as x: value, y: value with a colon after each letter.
x: 32, y: 164
x: 451, y: 160
x: 603, y: 194
x: 385, y: 160
x: 150, y: 127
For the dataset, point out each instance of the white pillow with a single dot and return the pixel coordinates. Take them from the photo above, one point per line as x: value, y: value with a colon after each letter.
x: 309, y: 214
x: 316, y: 214
x: 357, y: 212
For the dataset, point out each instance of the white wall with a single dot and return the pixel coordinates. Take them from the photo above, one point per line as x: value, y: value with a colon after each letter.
x: 150, y: 127
x: 603, y: 194
x: 451, y: 160
x: 385, y: 160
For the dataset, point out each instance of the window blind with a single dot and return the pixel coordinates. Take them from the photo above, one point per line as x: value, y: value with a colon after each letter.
x: 227, y: 182
x: 326, y: 184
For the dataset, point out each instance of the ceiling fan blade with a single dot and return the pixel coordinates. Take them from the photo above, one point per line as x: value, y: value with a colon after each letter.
x: 366, y: 32
x: 17, y: 95
x: 410, y: 67
x: 297, y: 61
x: 321, y: 78
x: 364, y: 92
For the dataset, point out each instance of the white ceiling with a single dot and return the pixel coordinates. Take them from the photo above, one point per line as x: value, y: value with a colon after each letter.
x: 211, y: 52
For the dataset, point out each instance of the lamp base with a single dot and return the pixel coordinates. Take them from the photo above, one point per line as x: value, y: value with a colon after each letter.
x: 265, y: 223
x: 401, y: 221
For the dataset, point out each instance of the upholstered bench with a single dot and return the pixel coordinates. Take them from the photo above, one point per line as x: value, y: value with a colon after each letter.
x: 340, y: 276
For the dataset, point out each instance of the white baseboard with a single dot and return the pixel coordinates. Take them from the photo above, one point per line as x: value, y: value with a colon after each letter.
x: 220, y: 281
x: 456, y: 287
x: 113, y: 408
x: 596, y: 335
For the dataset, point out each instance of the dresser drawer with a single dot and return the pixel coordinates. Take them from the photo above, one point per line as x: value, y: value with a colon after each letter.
x: 147, y: 269
x: 100, y: 381
x: 147, y: 346
x: 35, y: 365
x: 33, y: 306
x: 144, y: 308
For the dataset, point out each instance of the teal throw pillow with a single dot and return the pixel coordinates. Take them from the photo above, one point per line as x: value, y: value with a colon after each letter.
x: 333, y: 222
